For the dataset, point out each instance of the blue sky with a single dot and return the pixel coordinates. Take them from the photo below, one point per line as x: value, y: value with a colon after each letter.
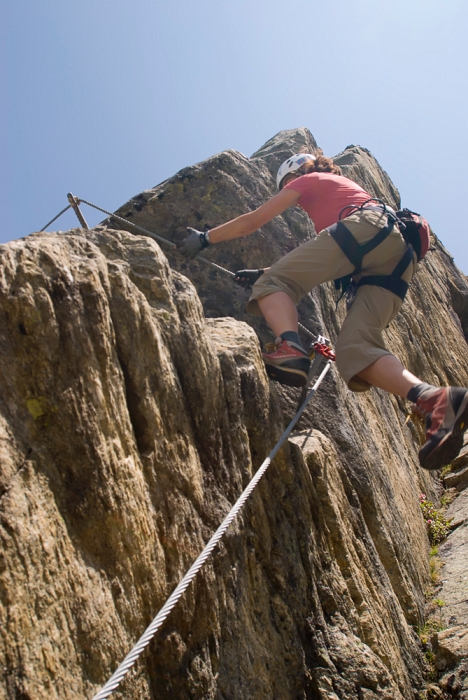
x: 106, y: 99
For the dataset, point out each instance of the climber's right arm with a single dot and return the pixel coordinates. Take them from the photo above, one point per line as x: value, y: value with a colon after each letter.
x: 246, y: 224
x: 241, y: 226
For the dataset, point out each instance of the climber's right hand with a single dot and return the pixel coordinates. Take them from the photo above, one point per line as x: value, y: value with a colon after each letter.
x: 246, y: 278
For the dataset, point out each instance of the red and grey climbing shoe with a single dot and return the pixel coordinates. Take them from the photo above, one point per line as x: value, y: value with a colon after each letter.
x: 288, y: 363
x: 446, y: 413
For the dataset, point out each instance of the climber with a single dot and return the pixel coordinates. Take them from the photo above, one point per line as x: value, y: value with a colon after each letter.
x: 315, y: 183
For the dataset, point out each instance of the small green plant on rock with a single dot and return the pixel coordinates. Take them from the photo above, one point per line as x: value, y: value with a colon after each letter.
x: 438, y: 527
x: 447, y: 497
x: 425, y: 633
x: 429, y: 629
x: 435, y: 565
x: 445, y: 470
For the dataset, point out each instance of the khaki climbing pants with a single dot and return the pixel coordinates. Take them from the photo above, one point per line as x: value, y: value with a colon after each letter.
x: 360, y: 342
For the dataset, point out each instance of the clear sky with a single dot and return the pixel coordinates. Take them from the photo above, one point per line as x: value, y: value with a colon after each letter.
x: 108, y: 98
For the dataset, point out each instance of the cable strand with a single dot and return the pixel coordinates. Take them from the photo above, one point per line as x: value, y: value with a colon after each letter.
x: 55, y: 218
x: 164, y: 240
x: 151, y: 630
x: 160, y: 239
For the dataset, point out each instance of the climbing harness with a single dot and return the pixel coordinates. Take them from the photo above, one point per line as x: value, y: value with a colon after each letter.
x: 355, y: 252
x: 324, y: 357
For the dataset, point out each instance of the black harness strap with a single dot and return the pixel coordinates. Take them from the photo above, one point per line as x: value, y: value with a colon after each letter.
x: 404, y: 262
x: 356, y: 252
x: 353, y: 250
x: 379, y: 237
x: 348, y: 244
x: 393, y: 284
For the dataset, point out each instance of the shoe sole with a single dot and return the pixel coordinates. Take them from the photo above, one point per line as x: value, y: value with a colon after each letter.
x: 289, y: 377
x: 449, y: 447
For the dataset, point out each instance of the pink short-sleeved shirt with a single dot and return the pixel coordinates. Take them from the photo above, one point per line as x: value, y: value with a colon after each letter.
x: 324, y: 195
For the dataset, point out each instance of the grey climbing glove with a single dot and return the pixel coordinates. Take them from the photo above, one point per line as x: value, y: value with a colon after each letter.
x: 246, y: 278
x: 191, y: 246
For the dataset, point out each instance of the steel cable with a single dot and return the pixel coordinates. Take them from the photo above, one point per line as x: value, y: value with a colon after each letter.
x: 115, y: 680
x: 55, y: 218
x: 160, y: 239
x: 164, y: 240
x: 154, y: 235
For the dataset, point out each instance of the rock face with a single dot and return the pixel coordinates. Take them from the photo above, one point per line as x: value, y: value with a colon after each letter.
x: 132, y: 417
x: 451, y: 644
x: 451, y: 648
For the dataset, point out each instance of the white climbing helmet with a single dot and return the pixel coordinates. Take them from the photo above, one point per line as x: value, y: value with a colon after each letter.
x: 291, y: 164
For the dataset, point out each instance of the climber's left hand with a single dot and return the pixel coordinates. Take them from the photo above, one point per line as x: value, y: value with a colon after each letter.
x: 191, y: 246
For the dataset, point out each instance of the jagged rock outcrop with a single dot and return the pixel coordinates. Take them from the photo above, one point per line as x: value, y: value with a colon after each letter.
x: 129, y: 424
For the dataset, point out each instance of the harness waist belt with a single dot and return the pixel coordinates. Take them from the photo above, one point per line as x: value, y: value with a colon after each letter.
x: 393, y: 284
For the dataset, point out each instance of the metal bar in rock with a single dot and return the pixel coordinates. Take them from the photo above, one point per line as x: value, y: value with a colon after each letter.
x: 75, y: 202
